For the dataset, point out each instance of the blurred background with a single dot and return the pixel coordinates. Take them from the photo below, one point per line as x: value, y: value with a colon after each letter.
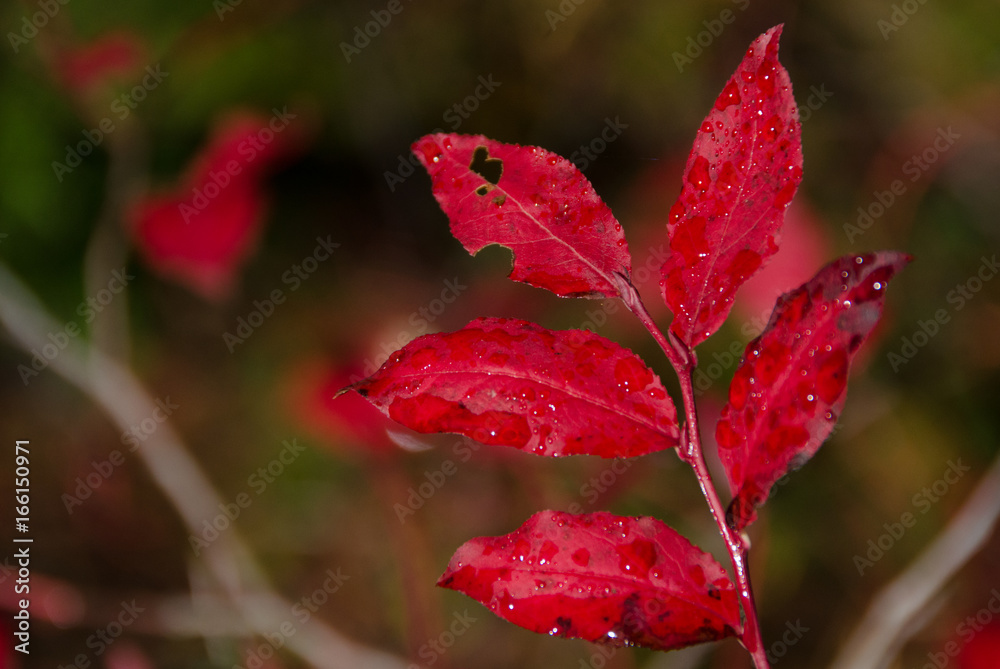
x: 220, y: 197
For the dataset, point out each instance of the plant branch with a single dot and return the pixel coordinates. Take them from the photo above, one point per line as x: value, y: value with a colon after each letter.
x: 107, y: 250
x: 113, y: 387
x: 888, y: 621
x: 735, y: 542
x: 684, y: 362
x: 672, y: 348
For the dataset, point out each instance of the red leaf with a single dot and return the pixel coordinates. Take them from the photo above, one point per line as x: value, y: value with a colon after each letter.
x: 791, y: 385
x: 200, y: 231
x: 114, y: 55
x: 347, y: 423
x: 537, y: 204
x: 805, y: 245
x: 982, y: 650
x: 743, y: 170
x: 599, y: 577
x: 514, y: 383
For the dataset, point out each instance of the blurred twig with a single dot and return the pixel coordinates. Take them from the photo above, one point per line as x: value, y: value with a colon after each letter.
x: 114, y: 388
x: 888, y: 622
x: 107, y: 250
x: 423, y: 607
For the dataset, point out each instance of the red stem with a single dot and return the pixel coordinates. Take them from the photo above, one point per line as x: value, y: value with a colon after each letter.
x: 736, y: 544
x: 684, y: 362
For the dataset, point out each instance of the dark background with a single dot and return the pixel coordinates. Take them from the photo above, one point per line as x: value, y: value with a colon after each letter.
x: 879, y: 98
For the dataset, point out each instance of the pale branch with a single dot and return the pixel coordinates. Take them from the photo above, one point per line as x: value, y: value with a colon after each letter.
x: 889, y: 621
x: 116, y: 390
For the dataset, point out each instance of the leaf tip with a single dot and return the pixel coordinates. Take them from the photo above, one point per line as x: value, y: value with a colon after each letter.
x: 358, y: 387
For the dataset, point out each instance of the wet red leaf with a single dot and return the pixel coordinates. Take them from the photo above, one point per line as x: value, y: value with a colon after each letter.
x: 513, y: 383
x: 744, y: 168
x: 599, y: 577
x: 791, y: 385
x: 537, y: 204
x: 201, y: 230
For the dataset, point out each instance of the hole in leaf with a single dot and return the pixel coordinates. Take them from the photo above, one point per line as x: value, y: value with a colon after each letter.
x: 486, y: 167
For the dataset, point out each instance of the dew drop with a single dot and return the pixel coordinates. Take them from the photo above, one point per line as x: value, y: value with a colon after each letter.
x: 698, y: 176
x: 730, y: 96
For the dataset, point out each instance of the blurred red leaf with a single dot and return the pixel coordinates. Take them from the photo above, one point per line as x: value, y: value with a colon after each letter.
x: 982, y: 649
x: 804, y: 247
x: 514, y: 383
x: 599, y: 577
x: 88, y: 66
x: 539, y: 205
x: 791, y: 385
x: 127, y: 655
x: 344, y: 423
x: 200, y: 231
x: 744, y: 168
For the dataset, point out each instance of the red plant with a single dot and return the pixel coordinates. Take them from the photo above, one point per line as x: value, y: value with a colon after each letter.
x: 201, y: 231
x: 114, y: 55
x: 598, y: 576
x: 348, y: 425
